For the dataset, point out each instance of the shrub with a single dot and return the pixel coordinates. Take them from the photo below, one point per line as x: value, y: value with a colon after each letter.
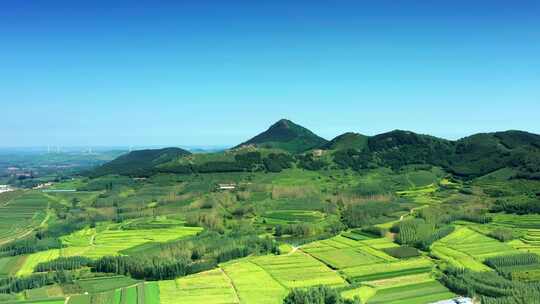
x: 502, y: 234
x: 317, y: 295
x: 402, y: 252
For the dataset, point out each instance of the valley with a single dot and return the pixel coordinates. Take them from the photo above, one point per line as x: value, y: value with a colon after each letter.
x: 392, y: 218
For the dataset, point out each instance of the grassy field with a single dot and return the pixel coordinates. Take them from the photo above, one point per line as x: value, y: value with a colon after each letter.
x: 211, y: 287
x: 416, y: 293
x: 265, y: 290
x: 473, y: 244
x: 98, y: 285
x: 112, y: 239
x: 21, y: 213
x: 293, y: 216
x: 10, y: 265
x: 299, y: 270
x: 387, y: 270
x: 340, y: 252
x: 32, y: 260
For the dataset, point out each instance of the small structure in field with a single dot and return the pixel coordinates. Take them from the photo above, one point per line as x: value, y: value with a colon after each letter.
x: 224, y: 187
x: 460, y: 300
x: 5, y: 188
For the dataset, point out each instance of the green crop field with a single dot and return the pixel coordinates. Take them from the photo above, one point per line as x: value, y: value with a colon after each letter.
x: 211, y: 287
x: 32, y: 260
x: 10, y: 265
x: 106, y: 283
x: 291, y: 216
x: 22, y: 213
x: 156, y: 226
x: 299, y: 270
x: 112, y: 239
x: 474, y: 244
x: 340, y: 252
x: 266, y: 290
x: 387, y: 270
x: 419, y: 293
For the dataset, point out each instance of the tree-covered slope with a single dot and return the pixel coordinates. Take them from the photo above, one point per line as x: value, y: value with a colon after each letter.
x: 139, y: 162
x: 483, y: 153
x: 469, y: 157
x: 349, y: 140
x: 287, y: 136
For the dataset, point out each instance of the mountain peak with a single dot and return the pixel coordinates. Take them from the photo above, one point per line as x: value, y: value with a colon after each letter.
x: 286, y: 135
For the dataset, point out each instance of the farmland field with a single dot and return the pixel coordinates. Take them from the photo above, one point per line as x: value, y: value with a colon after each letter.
x: 10, y: 265
x: 211, y: 287
x: 474, y: 244
x: 340, y: 252
x: 21, y: 213
x: 111, y: 240
x: 387, y: 270
x: 266, y: 290
x: 299, y: 270
x: 32, y: 260
x: 291, y: 216
x: 419, y: 293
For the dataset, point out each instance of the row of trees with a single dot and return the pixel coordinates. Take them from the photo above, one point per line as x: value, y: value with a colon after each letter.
x: 37, y: 280
x: 318, y: 295
x: 29, y: 245
x: 517, y: 207
x: 179, y: 258
x: 490, y: 287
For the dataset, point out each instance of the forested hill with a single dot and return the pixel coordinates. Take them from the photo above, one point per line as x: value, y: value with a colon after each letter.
x: 469, y: 157
x: 349, y: 140
x: 139, y: 162
x: 286, y: 145
x: 287, y: 136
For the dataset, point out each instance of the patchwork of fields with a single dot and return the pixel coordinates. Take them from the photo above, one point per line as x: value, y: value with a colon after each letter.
x: 20, y: 213
x: 467, y: 248
x: 98, y: 242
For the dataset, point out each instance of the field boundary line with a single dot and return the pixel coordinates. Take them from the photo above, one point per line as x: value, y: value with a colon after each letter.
x: 267, y: 272
x: 237, y: 296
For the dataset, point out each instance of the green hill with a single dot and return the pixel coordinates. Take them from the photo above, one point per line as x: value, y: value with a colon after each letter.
x: 348, y: 140
x: 483, y: 153
x: 287, y: 136
x: 139, y: 162
x: 469, y: 157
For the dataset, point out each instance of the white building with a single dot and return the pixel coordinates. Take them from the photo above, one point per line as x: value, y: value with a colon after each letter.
x: 5, y: 188
x: 460, y: 300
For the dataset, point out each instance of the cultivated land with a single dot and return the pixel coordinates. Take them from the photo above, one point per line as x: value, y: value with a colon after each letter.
x: 394, y: 218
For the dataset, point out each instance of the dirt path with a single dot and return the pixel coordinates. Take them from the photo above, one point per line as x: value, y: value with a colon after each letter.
x: 237, y: 298
x: 294, y: 249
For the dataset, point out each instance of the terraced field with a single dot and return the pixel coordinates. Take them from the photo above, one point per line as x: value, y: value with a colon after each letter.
x: 32, y: 260
x: 108, y: 241
x: 464, y: 244
x: 299, y: 270
x: 340, y: 252
x: 21, y: 213
x: 292, y: 216
x: 95, y: 243
x: 381, y: 271
x: 10, y: 265
x: 425, y: 292
x: 210, y: 287
x: 141, y: 293
x: 253, y: 284
x: 527, y: 221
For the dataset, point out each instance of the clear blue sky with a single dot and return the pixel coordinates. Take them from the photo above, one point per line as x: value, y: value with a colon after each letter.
x: 217, y: 72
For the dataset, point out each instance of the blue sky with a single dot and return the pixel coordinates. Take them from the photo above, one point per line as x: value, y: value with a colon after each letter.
x: 79, y: 73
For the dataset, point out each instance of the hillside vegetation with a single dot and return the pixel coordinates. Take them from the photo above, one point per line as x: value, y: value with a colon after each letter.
x: 393, y: 218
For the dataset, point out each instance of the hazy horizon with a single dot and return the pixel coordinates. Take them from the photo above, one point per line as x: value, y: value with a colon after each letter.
x: 217, y: 73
